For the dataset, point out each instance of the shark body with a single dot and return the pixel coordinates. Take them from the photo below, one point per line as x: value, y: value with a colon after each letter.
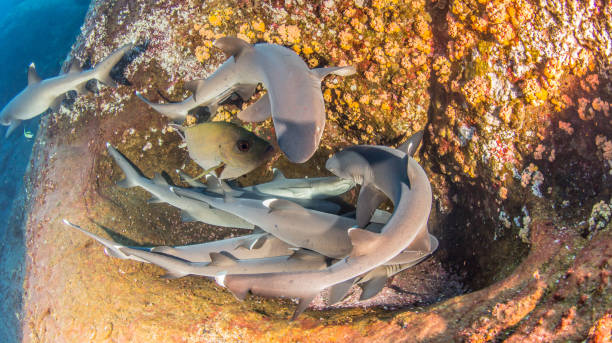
x: 294, y: 99
x: 41, y: 95
x: 378, y: 169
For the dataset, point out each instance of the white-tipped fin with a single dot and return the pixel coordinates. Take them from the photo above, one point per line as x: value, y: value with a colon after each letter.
x: 220, y: 278
x: 33, y: 77
x: 411, y: 145
x: 320, y: 73
x: 278, y: 175
x: 232, y: 46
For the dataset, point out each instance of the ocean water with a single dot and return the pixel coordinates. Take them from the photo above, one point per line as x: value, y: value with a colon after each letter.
x: 39, y: 31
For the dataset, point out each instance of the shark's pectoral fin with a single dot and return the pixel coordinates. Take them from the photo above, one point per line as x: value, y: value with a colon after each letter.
x: 154, y: 200
x: 362, y: 241
x: 367, y: 202
x: 232, y: 46
x: 373, y: 286
x: 33, y: 77
x: 339, y: 291
x: 302, y: 305
x: 411, y: 145
x: 245, y: 91
x: 320, y: 73
x: 170, y: 275
x: 81, y: 88
x: 257, y: 112
x: 283, y: 205
x: 222, y: 259
x: 187, y: 217
x: 57, y: 103
x: 14, y: 124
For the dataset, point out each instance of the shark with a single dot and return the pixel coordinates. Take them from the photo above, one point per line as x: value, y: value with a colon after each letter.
x: 378, y: 169
x: 40, y: 95
x: 294, y: 99
x: 302, y: 188
x: 253, y: 246
x: 160, y: 189
x: 301, y: 259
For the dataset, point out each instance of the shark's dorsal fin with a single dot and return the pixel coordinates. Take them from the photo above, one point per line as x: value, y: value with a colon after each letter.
x: 232, y: 46
x: 221, y: 259
x: 278, y: 175
x: 283, y: 205
x: 33, y: 77
x: 74, y: 68
x: 369, y: 199
x: 411, y: 145
x: 258, y: 111
x: 362, y: 240
x: 158, y: 179
x: 339, y: 291
x: 320, y: 73
x: 193, y: 85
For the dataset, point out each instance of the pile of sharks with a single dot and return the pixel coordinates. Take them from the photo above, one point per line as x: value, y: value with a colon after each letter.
x: 304, y: 237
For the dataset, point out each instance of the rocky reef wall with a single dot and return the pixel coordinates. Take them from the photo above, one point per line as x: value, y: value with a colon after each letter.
x: 514, y: 100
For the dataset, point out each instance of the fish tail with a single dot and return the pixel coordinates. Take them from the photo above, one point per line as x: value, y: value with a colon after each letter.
x: 132, y: 175
x: 103, y: 69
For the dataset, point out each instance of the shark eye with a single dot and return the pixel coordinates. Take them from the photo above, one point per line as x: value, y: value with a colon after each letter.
x: 243, y: 146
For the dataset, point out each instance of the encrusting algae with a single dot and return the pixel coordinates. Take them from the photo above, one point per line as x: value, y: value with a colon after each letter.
x: 514, y: 99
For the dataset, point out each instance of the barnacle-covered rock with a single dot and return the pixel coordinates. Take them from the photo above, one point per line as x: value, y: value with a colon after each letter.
x: 514, y: 99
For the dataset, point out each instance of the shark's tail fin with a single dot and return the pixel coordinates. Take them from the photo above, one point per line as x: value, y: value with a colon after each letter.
x: 103, y: 69
x: 170, y: 110
x: 132, y: 174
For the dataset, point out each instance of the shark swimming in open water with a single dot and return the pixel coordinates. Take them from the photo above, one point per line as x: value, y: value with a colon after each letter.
x: 378, y: 169
x: 41, y: 95
x: 294, y: 97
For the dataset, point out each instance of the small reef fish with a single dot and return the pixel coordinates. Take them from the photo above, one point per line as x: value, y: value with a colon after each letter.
x: 389, y: 171
x: 41, y: 95
x: 226, y: 148
x: 176, y: 267
x: 160, y: 189
x: 303, y: 188
x: 294, y: 98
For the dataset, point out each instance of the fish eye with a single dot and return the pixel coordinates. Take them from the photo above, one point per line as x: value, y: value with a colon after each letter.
x: 243, y: 145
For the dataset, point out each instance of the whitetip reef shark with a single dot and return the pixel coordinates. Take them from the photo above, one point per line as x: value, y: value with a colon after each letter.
x: 302, y: 188
x: 294, y: 99
x: 301, y: 259
x: 378, y: 169
x: 41, y: 95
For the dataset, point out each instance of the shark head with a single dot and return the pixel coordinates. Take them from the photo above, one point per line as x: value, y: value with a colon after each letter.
x: 349, y: 165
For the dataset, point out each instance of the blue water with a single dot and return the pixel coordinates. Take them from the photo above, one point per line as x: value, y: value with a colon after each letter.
x: 40, y: 31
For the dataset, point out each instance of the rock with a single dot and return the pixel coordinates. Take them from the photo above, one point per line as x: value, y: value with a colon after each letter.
x: 517, y: 130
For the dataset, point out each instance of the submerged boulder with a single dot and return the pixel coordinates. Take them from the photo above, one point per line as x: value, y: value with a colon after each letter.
x: 514, y: 100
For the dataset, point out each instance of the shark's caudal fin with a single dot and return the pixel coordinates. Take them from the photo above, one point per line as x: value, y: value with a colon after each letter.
x: 167, y: 110
x: 132, y: 175
x: 340, y: 71
x: 102, y: 70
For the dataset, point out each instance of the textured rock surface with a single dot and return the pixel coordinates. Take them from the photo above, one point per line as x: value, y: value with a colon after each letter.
x: 513, y: 95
